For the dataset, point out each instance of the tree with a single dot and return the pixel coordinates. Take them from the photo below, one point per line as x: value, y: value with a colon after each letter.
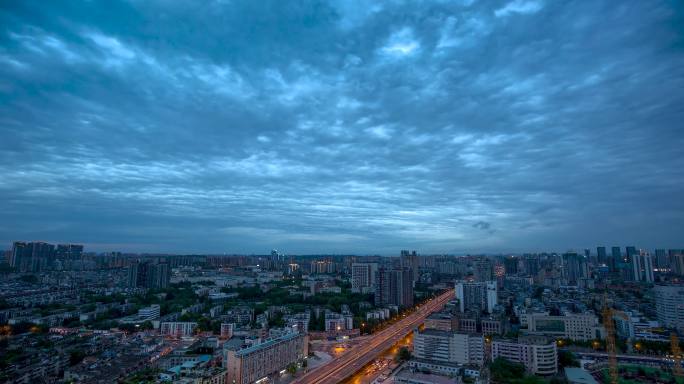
x: 505, y: 371
x: 567, y: 359
x: 404, y: 354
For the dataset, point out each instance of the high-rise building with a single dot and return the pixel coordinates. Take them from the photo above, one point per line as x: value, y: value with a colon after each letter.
x: 409, y: 260
x: 145, y: 274
x: 642, y: 267
x: 363, y: 276
x: 538, y: 354
x: 393, y: 286
x: 511, y: 265
x: 670, y: 306
x: 616, y: 258
x: 483, y: 270
x: 661, y: 260
x: 68, y: 252
x: 629, y: 252
x: 254, y: 363
x: 601, y: 254
x: 33, y: 256
x: 574, y: 268
x: 476, y: 296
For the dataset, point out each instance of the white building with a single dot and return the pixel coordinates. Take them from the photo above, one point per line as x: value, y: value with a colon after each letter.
x: 582, y: 327
x: 227, y: 330
x: 642, y: 267
x: 149, y: 313
x: 538, y: 354
x: 177, y: 328
x: 670, y: 306
x: 257, y: 362
x: 478, y: 296
x: 448, y: 347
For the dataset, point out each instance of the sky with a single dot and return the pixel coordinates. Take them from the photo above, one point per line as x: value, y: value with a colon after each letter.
x: 343, y: 126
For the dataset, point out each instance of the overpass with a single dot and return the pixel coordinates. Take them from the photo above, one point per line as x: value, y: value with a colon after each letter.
x: 341, y: 368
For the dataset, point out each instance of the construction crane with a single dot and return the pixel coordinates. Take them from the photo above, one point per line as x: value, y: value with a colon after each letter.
x: 608, y: 314
x: 610, y: 343
x: 676, y: 355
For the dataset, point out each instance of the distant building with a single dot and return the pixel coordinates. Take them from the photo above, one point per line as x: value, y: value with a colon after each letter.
x: 476, y: 296
x: 538, y: 354
x: 254, y: 363
x: 32, y: 257
x: 363, y: 276
x: 670, y: 306
x: 601, y: 254
x: 227, y: 330
x: 409, y: 260
x: 642, y: 267
x: 149, y: 313
x: 177, y: 328
x: 145, y: 274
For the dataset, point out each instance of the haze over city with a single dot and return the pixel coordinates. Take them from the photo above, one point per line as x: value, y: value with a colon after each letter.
x: 343, y: 126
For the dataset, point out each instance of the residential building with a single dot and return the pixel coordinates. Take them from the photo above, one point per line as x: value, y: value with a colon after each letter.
x: 538, y: 354
x: 476, y: 296
x: 177, y: 328
x: 363, y: 276
x: 448, y: 347
x: 251, y: 364
x: 670, y: 305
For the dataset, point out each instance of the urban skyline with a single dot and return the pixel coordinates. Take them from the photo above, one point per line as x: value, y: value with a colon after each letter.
x: 342, y: 127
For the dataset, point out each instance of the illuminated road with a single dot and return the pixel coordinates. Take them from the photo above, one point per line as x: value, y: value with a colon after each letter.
x: 346, y: 365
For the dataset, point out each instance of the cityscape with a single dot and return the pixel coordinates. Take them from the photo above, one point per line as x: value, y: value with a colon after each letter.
x: 341, y: 192
x: 594, y: 316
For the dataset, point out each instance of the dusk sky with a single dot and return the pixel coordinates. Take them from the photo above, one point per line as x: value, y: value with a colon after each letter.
x: 342, y: 127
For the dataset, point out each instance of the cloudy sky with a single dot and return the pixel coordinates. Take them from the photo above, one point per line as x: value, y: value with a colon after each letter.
x: 347, y: 126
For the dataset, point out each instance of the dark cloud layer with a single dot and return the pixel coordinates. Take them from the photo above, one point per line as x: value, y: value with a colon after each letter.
x: 343, y: 126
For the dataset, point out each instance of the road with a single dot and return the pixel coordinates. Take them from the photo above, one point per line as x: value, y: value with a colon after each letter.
x: 339, y: 369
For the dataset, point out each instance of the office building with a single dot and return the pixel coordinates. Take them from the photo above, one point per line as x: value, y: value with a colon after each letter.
x: 257, y: 362
x: 538, y: 354
x: 670, y: 306
x: 476, y: 296
x: 582, y: 327
x: 363, y: 276
x: 448, y: 347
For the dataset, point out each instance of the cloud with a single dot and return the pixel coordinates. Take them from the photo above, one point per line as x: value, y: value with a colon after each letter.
x: 342, y: 127
x: 523, y: 7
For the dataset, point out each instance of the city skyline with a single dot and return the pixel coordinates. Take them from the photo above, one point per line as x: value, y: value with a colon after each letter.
x: 342, y: 127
